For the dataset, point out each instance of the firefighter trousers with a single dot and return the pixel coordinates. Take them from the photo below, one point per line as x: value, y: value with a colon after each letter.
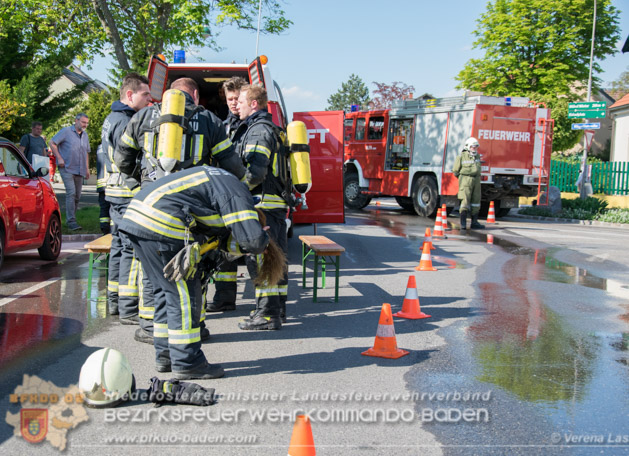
x: 271, y: 300
x: 176, y: 333
x: 469, y: 194
x: 122, y: 285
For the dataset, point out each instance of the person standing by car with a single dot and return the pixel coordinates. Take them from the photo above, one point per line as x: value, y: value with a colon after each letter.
x: 71, y: 147
x: 34, y: 143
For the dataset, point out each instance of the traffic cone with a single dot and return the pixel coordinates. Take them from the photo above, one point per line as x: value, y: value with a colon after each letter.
x: 490, y: 239
x: 410, y: 306
x: 428, y: 240
x: 425, y: 262
x: 385, y: 345
x: 438, y: 230
x: 302, y: 442
x: 491, y: 215
x: 444, y: 217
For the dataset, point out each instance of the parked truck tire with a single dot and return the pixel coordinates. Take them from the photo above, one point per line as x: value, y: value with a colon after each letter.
x: 406, y: 202
x: 352, y: 196
x: 425, y: 196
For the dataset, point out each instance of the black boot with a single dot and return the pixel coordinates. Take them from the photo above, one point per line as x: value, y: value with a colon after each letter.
x: 463, y: 220
x: 475, y: 225
x: 258, y: 322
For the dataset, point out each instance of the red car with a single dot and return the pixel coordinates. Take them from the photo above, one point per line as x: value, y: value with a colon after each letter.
x: 29, y: 211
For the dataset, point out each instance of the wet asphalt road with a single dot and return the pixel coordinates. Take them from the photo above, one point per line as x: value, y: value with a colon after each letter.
x: 527, y: 336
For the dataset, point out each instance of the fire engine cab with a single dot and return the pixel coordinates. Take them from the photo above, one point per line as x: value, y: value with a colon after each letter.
x: 324, y: 200
x: 408, y: 152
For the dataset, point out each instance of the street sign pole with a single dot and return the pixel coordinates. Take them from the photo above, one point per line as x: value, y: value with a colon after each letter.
x: 585, y: 181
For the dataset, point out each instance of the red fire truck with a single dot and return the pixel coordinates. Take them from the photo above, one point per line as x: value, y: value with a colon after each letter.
x: 408, y: 152
x: 324, y: 201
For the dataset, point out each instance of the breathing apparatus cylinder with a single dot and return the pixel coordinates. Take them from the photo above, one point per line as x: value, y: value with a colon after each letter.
x: 171, y: 133
x: 299, y: 156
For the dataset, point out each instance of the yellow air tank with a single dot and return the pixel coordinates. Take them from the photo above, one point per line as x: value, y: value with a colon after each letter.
x: 299, y: 156
x: 171, y: 133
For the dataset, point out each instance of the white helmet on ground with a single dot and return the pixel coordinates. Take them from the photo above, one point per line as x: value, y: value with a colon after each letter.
x: 106, y: 378
x: 470, y: 143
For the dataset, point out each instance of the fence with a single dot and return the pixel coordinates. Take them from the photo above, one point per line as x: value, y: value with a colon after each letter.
x: 610, y: 178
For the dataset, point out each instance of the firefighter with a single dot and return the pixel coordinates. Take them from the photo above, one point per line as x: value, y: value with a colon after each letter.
x: 258, y: 145
x: 102, y: 173
x: 467, y: 169
x: 204, y: 142
x: 169, y: 217
x: 231, y: 87
x: 122, y: 286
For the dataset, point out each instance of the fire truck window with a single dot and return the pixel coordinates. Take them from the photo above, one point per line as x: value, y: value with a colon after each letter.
x: 400, y: 146
x: 376, y: 127
x: 360, y: 129
x: 347, y: 129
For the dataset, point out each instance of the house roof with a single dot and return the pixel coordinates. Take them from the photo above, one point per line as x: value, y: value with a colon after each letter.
x: 77, y: 77
x: 623, y: 102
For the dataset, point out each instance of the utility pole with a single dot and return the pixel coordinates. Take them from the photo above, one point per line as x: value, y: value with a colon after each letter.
x: 585, y: 177
x: 260, y: 17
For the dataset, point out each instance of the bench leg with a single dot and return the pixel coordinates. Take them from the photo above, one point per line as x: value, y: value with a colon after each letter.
x: 89, y: 277
x: 336, y: 291
x: 316, y: 278
x: 303, y: 265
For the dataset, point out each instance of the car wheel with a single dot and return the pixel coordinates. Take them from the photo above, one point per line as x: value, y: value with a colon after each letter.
x: 425, y: 196
x: 1, y: 246
x: 352, y: 196
x: 52, y: 242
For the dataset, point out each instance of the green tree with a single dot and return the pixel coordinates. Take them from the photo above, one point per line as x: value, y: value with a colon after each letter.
x: 386, y: 94
x: 352, y: 92
x: 620, y: 87
x: 541, y: 49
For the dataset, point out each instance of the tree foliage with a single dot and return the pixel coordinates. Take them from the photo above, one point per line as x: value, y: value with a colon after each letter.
x: 385, y: 94
x: 620, y: 87
x: 541, y: 49
x: 352, y: 92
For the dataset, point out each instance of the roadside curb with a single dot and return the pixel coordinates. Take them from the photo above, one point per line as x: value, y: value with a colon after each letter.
x: 79, y: 237
x: 570, y: 221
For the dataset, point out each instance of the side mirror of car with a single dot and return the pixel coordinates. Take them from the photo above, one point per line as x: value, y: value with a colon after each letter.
x: 41, y: 172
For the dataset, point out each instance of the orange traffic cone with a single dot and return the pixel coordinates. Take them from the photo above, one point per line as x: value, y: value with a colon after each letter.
x: 490, y: 239
x: 385, y: 345
x: 428, y: 240
x: 425, y: 262
x: 444, y: 217
x: 410, y: 306
x: 438, y: 230
x: 491, y: 215
x: 301, y: 442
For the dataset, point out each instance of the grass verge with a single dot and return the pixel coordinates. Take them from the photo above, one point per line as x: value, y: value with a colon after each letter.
x: 87, y: 217
x: 582, y: 209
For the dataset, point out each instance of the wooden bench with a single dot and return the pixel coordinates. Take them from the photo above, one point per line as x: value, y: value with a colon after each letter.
x: 325, y: 252
x: 99, y: 253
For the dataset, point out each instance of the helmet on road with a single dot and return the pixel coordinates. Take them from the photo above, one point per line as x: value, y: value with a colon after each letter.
x: 471, y: 142
x: 106, y: 378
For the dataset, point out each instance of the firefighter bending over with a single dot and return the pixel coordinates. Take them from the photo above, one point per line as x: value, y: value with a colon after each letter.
x: 167, y: 222
x: 467, y: 169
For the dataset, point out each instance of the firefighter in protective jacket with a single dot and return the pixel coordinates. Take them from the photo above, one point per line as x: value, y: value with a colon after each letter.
x: 165, y: 217
x: 467, y: 168
x: 204, y: 140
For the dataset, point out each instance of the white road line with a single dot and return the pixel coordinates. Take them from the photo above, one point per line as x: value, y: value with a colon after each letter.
x: 28, y: 291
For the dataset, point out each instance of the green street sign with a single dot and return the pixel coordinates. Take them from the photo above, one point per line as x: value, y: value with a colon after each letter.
x: 587, y: 110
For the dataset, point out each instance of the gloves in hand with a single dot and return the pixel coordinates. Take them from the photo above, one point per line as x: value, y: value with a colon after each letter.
x: 183, y: 266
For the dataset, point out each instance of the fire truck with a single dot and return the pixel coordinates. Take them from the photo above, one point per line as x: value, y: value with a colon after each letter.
x: 408, y: 152
x: 324, y: 201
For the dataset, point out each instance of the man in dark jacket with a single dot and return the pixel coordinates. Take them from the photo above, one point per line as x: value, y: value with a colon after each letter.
x: 165, y: 217
x: 231, y: 87
x: 122, y: 284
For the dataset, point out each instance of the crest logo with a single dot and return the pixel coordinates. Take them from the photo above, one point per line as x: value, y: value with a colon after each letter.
x: 34, y: 424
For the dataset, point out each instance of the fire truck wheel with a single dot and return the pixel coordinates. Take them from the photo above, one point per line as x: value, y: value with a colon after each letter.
x: 406, y: 202
x: 425, y: 196
x: 351, y: 192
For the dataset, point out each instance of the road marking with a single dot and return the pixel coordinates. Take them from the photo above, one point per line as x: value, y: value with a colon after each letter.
x: 28, y: 291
